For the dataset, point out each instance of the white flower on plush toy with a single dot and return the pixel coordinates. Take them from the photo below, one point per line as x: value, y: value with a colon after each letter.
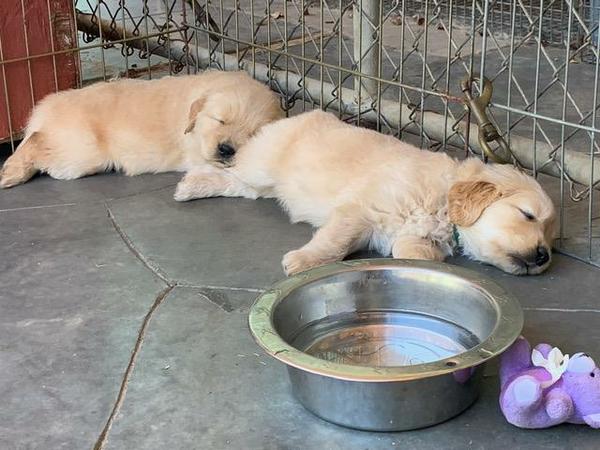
x: 581, y: 363
x: 556, y: 364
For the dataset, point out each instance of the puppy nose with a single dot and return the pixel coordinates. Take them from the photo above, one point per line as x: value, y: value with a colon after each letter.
x: 542, y: 256
x: 226, y: 151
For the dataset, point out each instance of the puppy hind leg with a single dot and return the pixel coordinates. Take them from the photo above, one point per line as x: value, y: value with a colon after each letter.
x: 332, y: 242
x: 21, y: 165
x: 211, y: 182
x: 415, y: 247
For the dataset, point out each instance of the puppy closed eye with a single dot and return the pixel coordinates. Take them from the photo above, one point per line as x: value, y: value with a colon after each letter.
x: 222, y: 122
x: 527, y: 215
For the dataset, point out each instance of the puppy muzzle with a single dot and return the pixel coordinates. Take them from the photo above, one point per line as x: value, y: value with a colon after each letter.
x: 225, y: 152
x: 531, y: 263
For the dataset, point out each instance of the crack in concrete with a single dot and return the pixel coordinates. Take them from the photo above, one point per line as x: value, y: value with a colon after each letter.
x: 27, y: 208
x: 60, y: 205
x: 223, y: 288
x: 135, y: 194
x: 562, y: 310
x: 224, y: 305
x: 103, y: 438
x: 220, y: 302
x: 155, y: 269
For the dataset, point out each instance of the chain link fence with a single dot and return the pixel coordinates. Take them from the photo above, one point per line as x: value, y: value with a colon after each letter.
x: 393, y: 65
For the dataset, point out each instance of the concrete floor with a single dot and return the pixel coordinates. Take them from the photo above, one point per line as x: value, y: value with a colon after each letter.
x: 106, y: 280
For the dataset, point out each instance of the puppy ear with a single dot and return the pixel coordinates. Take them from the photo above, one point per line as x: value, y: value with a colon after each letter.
x: 195, y: 108
x: 468, y: 199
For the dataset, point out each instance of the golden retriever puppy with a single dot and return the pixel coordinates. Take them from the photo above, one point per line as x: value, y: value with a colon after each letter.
x: 363, y: 189
x: 139, y: 126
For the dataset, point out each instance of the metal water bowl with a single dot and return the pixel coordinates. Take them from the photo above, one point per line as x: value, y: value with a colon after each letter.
x: 386, y: 344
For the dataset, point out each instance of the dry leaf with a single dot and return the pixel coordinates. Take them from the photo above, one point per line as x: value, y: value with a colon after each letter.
x: 396, y: 19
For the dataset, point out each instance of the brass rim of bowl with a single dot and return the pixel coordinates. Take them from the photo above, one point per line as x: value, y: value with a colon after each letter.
x: 509, y: 323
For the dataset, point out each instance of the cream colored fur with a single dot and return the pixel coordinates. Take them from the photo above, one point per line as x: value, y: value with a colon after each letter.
x: 138, y: 126
x: 363, y: 189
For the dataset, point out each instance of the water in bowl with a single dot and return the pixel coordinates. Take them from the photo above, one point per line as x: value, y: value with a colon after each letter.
x: 383, y: 339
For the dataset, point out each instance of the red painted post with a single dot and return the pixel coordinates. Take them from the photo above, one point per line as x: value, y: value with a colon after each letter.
x: 29, y: 28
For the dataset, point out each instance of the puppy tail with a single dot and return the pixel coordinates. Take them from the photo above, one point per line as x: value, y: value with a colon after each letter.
x: 21, y: 165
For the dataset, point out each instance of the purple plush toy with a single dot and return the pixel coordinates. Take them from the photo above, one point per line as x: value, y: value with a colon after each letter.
x: 543, y: 387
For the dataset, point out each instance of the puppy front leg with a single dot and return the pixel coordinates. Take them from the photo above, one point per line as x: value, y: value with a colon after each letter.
x: 211, y: 182
x: 332, y: 242
x: 415, y: 247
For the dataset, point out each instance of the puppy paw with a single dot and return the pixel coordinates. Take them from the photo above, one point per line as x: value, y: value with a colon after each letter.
x: 200, y: 184
x: 183, y: 192
x: 189, y: 190
x: 13, y: 175
x: 410, y: 247
x: 298, y: 261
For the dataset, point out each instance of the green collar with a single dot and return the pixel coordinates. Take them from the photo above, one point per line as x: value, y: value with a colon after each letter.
x: 455, y: 236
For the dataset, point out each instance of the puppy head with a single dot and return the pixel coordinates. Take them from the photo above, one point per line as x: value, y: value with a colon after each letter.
x: 504, y: 218
x: 222, y: 120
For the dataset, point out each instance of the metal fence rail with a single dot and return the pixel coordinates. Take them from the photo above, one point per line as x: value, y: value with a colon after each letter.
x: 396, y: 66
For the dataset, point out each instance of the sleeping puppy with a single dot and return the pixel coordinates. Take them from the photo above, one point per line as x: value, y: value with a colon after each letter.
x: 139, y: 126
x: 363, y: 189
